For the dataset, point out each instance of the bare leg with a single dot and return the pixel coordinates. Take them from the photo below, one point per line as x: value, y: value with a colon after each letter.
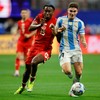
x: 78, y: 66
x: 35, y: 61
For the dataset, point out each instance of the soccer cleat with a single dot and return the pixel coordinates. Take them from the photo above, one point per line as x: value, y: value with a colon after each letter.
x: 30, y: 86
x: 20, y: 90
x: 72, y: 94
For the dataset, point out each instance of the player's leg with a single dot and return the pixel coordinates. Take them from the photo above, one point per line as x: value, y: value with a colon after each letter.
x: 78, y: 73
x: 66, y: 68
x: 65, y: 63
x: 17, y: 65
x: 26, y: 74
x: 35, y: 61
x: 41, y: 57
x: 19, y: 57
x: 78, y: 66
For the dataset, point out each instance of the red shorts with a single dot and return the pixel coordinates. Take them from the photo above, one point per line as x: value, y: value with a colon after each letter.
x: 23, y: 47
x: 34, y: 51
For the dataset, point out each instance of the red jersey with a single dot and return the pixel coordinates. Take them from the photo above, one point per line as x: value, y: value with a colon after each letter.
x: 43, y: 40
x: 44, y: 36
x: 23, y: 27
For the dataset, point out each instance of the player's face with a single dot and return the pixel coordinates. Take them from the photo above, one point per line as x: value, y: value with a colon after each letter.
x: 24, y: 14
x: 48, y: 12
x: 72, y: 12
x: 28, y: 14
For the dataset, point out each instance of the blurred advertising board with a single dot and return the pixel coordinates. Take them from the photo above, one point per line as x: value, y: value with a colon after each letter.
x: 5, y: 8
x: 93, y: 45
x: 8, y: 45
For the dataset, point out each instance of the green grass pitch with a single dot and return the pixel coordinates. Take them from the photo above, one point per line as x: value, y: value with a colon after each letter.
x: 50, y: 83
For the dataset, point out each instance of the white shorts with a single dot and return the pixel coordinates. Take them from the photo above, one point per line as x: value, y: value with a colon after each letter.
x: 71, y: 56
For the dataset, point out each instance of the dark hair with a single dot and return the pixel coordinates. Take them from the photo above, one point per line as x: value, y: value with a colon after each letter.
x: 49, y: 6
x: 73, y: 5
x: 24, y: 9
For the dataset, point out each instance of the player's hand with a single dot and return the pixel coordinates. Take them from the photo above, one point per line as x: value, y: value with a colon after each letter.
x: 61, y: 29
x: 52, y: 26
x: 27, y: 35
x: 42, y: 21
x: 84, y: 44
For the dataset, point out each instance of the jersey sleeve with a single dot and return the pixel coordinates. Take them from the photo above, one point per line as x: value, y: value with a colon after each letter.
x: 36, y: 20
x: 81, y: 27
x: 59, y: 22
x: 18, y: 25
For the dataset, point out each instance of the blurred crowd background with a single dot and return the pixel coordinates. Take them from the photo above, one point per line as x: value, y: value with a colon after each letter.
x: 89, y: 12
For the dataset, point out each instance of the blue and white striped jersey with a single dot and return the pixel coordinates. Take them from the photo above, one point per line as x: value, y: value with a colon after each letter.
x: 69, y: 38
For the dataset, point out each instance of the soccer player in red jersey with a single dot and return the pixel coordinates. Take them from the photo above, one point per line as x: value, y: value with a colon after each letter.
x: 25, y: 39
x: 41, y: 49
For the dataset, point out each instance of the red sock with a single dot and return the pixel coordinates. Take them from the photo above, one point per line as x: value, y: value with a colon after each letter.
x: 17, y: 64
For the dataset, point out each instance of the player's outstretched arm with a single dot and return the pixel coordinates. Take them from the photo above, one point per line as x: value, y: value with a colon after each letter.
x: 83, y: 40
x: 35, y: 25
x: 31, y: 34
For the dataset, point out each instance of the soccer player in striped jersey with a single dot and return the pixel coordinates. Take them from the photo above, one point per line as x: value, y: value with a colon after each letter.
x: 70, y: 27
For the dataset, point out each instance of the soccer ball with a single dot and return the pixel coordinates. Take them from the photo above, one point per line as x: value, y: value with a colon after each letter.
x: 78, y: 88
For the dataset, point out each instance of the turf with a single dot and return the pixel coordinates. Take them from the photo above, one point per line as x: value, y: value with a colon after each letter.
x: 51, y: 83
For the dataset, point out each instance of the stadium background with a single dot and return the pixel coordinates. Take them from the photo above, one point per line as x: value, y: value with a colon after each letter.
x: 56, y: 86
x: 10, y: 13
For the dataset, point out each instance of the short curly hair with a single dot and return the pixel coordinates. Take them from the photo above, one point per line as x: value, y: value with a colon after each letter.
x: 49, y: 6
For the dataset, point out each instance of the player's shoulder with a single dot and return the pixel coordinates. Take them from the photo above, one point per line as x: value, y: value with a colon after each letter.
x: 40, y: 15
x: 78, y: 19
x: 30, y: 19
x: 80, y: 22
x: 53, y: 18
x: 62, y: 17
x: 19, y: 22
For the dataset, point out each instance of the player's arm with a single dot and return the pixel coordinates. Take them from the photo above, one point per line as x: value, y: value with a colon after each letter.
x: 52, y: 27
x: 82, y: 34
x: 59, y: 28
x: 56, y: 30
x: 36, y: 25
x: 83, y: 40
x: 16, y: 33
x: 31, y: 34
